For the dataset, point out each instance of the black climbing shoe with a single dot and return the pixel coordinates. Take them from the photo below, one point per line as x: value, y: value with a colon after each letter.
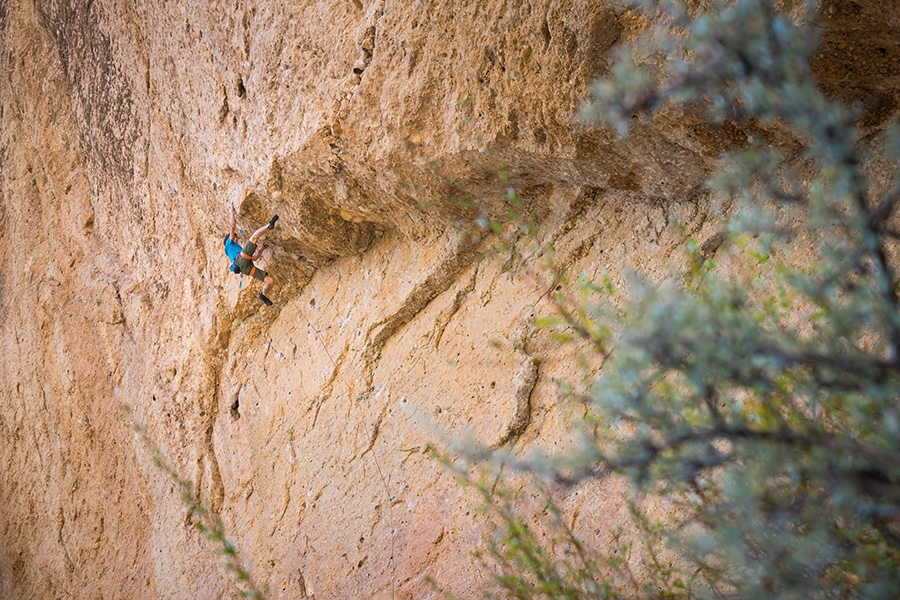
x: 272, y: 222
x: 265, y: 300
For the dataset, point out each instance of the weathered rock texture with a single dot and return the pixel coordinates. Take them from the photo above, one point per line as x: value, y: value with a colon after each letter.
x: 370, y: 127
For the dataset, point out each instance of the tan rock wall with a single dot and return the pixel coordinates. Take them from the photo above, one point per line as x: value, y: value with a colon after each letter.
x: 370, y: 127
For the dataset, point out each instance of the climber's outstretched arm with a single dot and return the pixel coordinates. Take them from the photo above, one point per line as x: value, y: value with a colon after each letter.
x: 233, y: 232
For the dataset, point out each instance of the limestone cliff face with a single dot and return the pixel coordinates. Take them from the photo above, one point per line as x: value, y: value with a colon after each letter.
x: 128, y: 128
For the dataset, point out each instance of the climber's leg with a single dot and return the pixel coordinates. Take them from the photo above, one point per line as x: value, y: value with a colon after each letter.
x: 268, y: 282
x: 259, y: 233
x: 262, y: 230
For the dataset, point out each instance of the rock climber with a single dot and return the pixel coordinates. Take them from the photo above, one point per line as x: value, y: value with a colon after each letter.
x: 242, y: 258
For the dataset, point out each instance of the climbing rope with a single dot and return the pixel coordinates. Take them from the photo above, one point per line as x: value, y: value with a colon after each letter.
x: 361, y: 416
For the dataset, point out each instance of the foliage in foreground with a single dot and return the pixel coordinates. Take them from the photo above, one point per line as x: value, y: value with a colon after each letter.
x: 208, y: 523
x: 766, y: 403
